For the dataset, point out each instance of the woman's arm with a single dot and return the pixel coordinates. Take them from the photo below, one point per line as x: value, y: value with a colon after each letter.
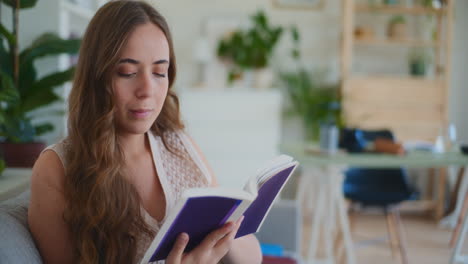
x: 45, y: 213
x: 245, y: 249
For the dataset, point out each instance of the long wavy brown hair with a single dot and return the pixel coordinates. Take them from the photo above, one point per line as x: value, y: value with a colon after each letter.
x: 103, y: 212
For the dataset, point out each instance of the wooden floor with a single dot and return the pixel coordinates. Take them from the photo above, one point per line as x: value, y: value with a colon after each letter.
x: 426, y: 242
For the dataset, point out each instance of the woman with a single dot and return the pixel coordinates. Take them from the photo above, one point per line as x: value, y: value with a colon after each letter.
x: 101, y: 195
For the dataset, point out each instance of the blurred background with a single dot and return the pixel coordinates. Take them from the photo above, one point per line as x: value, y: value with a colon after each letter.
x: 255, y: 77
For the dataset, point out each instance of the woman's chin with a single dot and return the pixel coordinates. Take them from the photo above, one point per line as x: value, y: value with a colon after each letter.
x: 138, y: 128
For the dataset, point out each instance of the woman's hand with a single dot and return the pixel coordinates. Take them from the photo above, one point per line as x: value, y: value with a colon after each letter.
x: 210, y: 251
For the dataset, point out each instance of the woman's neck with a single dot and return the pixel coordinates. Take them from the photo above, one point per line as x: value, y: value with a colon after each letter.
x: 134, y: 145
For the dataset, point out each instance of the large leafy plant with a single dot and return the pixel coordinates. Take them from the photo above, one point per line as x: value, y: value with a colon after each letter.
x: 314, y: 101
x: 21, y: 90
x: 251, y: 48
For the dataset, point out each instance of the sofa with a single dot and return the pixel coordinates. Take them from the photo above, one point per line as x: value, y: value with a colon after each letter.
x: 16, y: 242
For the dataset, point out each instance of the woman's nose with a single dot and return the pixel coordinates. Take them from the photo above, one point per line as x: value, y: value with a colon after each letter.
x: 146, y: 86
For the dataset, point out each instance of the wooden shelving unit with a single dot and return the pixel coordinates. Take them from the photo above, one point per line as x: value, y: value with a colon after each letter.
x: 417, y: 10
x: 414, y: 108
x: 395, y: 42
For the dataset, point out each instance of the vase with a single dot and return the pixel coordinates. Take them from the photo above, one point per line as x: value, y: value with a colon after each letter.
x: 263, y: 78
x: 21, y: 155
x: 329, y: 138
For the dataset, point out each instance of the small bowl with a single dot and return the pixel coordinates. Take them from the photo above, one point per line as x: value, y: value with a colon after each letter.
x: 464, y: 149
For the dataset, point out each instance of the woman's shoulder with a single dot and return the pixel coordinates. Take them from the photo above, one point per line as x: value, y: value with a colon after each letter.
x: 49, y: 168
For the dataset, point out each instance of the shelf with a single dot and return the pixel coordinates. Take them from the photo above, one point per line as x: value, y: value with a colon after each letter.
x: 382, y: 78
x: 399, y: 9
x: 396, y: 42
x: 77, y: 10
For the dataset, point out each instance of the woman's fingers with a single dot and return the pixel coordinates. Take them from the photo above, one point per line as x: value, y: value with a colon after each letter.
x: 225, y: 242
x: 212, y: 239
x: 175, y: 256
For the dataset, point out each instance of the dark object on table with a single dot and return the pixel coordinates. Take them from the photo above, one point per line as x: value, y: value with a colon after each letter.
x: 464, y: 149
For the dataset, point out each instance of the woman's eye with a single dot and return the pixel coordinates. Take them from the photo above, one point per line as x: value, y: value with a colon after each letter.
x: 126, y: 75
x: 162, y: 75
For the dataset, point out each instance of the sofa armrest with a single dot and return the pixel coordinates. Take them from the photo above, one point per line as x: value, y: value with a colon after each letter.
x: 16, y: 243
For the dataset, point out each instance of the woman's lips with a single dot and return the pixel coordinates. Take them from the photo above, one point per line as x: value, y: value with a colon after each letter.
x: 141, y: 113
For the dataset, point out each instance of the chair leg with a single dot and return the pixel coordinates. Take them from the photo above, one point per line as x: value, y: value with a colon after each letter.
x: 400, y: 236
x: 456, y: 253
x: 391, y: 232
x: 456, y: 231
x: 351, y: 215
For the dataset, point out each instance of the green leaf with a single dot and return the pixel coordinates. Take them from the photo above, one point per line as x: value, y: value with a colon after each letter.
x: 49, y: 44
x: 23, y: 3
x: 43, y: 128
x: 5, y: 60
x: 8, y: 93
x: 28, y: 75
x: 48, y: 83
x: 40, y: 100
x: 9, y: 36
x: 295, y: 34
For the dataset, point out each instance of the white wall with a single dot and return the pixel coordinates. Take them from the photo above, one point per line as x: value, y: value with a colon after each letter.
x: 459, y: 89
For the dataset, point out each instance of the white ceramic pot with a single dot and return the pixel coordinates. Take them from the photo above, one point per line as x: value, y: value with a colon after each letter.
x: 263, y: 78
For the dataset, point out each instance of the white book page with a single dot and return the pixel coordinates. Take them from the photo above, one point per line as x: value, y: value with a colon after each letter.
x: 269, y: 169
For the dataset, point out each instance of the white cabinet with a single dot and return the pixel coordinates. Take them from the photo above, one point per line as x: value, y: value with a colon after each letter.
x: 237, y: 130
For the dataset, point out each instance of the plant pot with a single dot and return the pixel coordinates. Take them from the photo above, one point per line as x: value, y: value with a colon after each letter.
x: 21, y: 155
x: 397, y: 31
x: 263, y: 78
x: 417, y: 68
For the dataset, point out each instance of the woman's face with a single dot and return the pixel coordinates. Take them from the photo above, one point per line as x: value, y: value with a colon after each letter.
x: 140, y: 81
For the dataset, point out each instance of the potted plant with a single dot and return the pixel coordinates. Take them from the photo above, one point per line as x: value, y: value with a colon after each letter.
x: 418, y: 60
x: 250, y: 49
x: 314, y: 101
x: 22, y: 91
x: 397, y: 27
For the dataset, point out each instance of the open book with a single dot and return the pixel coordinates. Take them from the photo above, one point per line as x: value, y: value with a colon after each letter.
x: 202, y: 210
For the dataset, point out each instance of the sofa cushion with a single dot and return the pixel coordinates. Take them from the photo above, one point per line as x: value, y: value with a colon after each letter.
x: 16, y: 243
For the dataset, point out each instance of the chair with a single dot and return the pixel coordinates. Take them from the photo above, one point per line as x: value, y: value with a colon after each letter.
x: 384, y: 188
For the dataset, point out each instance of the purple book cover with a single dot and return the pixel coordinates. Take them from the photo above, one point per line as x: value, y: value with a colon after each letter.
x: 201, y: 215
x: 198, y: 218
x: 266, y: 195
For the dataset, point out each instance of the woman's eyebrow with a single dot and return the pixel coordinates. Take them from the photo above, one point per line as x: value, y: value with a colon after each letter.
x: 128, y: 60
x: 132, y: 61
x: 161, y: 62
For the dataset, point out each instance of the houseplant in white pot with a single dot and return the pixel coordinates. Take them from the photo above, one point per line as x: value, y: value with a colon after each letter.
x: 22, y: 91
x: 249, y: 51
x: 311, y: 98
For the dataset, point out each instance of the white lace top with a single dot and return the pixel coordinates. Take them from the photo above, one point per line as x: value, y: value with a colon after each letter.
x: 176, y: 174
